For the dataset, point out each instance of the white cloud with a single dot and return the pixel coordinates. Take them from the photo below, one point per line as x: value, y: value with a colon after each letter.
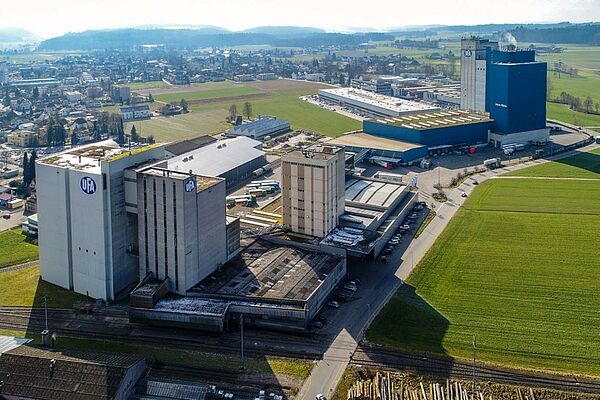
x: 50, y: 18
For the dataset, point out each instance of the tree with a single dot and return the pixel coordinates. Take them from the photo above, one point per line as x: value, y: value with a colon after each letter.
x: 35, y: 92
x: 96, y: 131
x: 133, y: 133
x: 184, y: 105
x: 32, y: 160
x: 597, y: 107
x: 150, y: 139
x: 150, y: 98
x: 247, y: 109
x: 588, y: 103
x: 232, y: 112
x: 74, y: 138
x: 25, y: 166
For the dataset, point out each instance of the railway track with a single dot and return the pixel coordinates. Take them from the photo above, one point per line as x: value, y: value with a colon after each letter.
x: 447, y: 367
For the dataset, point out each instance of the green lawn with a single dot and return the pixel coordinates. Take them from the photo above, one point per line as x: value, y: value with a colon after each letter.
x: 266, y: 365
x: 204, y: 94
x: 148, y: 85
x: 525, y: 283
x: 562, y: 112
x: 14, y: 249
x: 280, y: 98
x: 583, y: 165
x: 25, y: 288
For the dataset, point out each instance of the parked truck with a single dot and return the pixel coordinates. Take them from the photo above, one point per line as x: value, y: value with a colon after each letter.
x: 492, y: 163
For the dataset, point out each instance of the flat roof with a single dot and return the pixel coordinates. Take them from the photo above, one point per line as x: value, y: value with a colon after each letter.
x: 325, y: 152
x: 390, y: 103
x: 88, y: 158
x: 368, y: 141
x: 217, y: 158
x: 265, y: 270
x: 432, y: 120
x: 202, y: 182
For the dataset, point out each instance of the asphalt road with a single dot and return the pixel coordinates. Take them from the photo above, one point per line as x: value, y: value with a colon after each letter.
x: 379, y: 281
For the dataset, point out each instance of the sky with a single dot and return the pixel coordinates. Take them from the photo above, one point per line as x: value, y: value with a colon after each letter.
x: 48, y: 18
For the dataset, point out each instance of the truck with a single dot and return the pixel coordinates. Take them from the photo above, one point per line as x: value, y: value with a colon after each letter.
x: 492, y: 163
x: 425, y: 163
x: 384, y: 164
x: 538, y: 154
x: 388, y: 177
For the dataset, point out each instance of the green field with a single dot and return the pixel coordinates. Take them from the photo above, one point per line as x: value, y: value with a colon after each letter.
x: 14, y: 249
x: 562, y: 112
x: 148, y: 85
x: 584, y: 165
x: 25, y: 288
x: 209, y: 108
x: 190, y: 96
x: 518, y: 267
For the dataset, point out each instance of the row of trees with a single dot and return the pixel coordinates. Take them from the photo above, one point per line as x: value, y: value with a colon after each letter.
x: 233, y: 111
x: 575, y: 103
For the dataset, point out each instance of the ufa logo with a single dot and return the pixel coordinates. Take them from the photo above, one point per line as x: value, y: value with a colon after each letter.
x: 468, y: 53
x: 190, y: 185
x: 88, y: 185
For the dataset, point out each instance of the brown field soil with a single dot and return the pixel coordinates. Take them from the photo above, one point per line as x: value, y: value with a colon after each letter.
x: 194, y: 87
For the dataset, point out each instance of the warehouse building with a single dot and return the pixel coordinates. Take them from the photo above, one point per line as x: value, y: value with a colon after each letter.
x: 442, y: 128
x: 374, y: 209
x: 232, y: 159
x: 366, y: 146
x: 274, y: 283
x: 374, y: 104
x: 260, y: 128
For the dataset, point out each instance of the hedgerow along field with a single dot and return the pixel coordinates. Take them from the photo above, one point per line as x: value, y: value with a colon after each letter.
x: 524, y: 281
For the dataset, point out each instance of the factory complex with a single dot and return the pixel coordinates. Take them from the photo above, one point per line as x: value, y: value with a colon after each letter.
x: 150, y: 223
x: 502, y: 99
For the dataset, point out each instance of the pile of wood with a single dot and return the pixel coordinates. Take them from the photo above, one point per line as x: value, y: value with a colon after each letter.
x: 385, y: 387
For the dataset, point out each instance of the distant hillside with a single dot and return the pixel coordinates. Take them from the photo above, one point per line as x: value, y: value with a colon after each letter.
x: 284, y: 31
x: 580, y: 34
x: 192, y: 38
x: 10, y: 35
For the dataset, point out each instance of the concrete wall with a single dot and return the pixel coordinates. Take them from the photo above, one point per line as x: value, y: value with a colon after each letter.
x: 54, y: 225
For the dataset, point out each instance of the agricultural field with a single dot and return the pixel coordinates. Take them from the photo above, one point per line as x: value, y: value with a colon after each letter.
x: 14, y: 248
x: 583, y: 165
x: 209, y: 109
x: 517, y: 267
x: 148, y: 85
x: 562, y: 112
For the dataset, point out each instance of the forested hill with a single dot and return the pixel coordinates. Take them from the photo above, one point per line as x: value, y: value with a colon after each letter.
x: 191, y: 39
x: 581, y: 34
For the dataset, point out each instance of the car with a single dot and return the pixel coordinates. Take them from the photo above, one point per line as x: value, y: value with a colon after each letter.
x: 393, y: 242
x: 316, y: 324
x: 6, y: 216
x: 320, y: 397
x: 463, y: 194
x: 382, y: 258
x: 333, y: 304
x: 321, y: 319
x: 414, y: 216
x: 397, y: 237
x: 349, y: 286
x: 475, y: 182
x: 419, y: 207
x: 405, y: 227
x: 387, y: 250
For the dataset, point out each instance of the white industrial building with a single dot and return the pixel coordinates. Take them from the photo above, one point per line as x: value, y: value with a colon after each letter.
x: 374, y: 104
x: 109, y: 216
x: 261, y: 127
x: 473, y: 67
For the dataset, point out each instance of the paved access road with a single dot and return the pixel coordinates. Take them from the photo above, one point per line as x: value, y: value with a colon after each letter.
x: 379, y: 281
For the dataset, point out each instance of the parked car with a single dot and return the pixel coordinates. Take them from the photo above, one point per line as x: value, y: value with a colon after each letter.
x: 414, y: 216
x: 6, y: 216
x: 393, y: 242
x: 405, y: 227
x: 321, y: 319
x: 321, y: 397
x: 333, y: 304
x: 382, y: 258
x: 351, y: 286
x: 463, y: 194
x: 475, y: 182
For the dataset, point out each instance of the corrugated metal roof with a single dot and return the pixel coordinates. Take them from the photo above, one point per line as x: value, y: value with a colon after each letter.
x: 218, y: 158
x: 7, y: 343
x: 178, y: 391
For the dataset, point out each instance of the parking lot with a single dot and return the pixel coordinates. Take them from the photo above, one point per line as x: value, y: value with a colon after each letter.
x: 363, y: 276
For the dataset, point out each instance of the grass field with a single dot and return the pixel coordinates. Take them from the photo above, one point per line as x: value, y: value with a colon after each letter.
x: 148, y: 85
x: 25, y: 288
x: 517, y: 267
x: 562, y: 112
x: 14, y: 249
x: 584, y: 165
x: 209, y: 107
